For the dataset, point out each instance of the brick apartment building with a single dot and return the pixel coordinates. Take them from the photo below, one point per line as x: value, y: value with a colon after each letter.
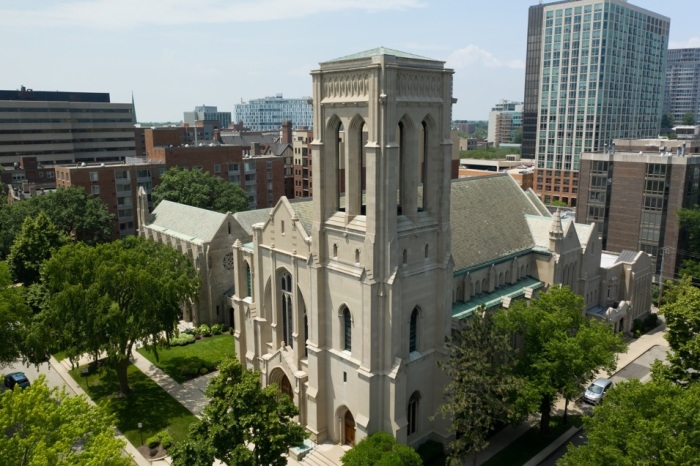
x: 633, y: 192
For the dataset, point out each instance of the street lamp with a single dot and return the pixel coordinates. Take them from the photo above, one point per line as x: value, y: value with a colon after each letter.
x: 141, y: 432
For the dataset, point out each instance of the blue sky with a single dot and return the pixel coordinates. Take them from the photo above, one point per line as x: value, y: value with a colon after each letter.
x: 175, y: 54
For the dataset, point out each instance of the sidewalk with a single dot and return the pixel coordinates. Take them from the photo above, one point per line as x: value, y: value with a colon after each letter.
x: 129, y: 449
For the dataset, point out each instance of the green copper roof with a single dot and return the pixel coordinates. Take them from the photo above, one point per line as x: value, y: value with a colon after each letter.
x: 380, y: 51
x: 495, y: 299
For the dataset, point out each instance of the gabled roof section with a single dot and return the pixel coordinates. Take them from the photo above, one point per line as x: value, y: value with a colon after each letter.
x: 628, y: 256
x: 539, y: 205
x: 380, y: 51
x: 187, y: 222
x: 248, y: 218
x: 488, y: 217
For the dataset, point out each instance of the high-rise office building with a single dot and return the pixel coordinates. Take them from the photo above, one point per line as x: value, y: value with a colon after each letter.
x: 64, y: 127
x: 683, y: 84
x: 268, y: 114
x: 505, y: 119
x: 594, y: 71
x: 207, y: 113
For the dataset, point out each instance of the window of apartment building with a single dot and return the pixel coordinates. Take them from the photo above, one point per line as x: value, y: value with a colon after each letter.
x: 96, y: 189
x: 249, y: 166
x: 269, y: 165
x: 250, y: 178
x: 217, y: 168
x: 94, y: 176
x: 143, y: 173
x: 269, y: 176
x: 121, y: 174
x: 123, y: 188
x: 50, y: 174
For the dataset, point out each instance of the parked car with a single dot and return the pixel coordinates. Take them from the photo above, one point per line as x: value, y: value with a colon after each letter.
x: 16, y: 378
x: 597, y: 390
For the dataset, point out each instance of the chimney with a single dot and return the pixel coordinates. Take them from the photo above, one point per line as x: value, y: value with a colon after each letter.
x: 286, y: 132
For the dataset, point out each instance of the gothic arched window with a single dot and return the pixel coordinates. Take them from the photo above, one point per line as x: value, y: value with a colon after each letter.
x: 413, y: 332
x: 347, y: 330
x: 287, y: 308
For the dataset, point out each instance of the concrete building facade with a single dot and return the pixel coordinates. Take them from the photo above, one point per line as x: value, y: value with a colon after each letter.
x: 209, y: 113
x: 268, y: 113
x: 595, y: 71
x: 505, y: 120
x: 683, y: 84
x: 64, y: 127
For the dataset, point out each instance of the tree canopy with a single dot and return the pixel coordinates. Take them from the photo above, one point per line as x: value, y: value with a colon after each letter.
x: 653, y: 423
x: 34, y: 244
x: 689, y: 118
x: 562, y: 350
x: 110, y: 296
x: 198, y: 188
x: 682, y: 315
x: 42, y: 426
x: 75, y: 213
x: 381, y: 449
x: 15, y: 316
x: 483, y: 388
x: 243, y: 424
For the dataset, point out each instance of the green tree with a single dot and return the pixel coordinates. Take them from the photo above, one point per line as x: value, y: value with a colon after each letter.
x: 381, y: 449
x: 518, y: 135
x: 243, y: 424
x: 689, y: 118
x: 75, y: 213
x: 483, y: 388
x: 42, y: 426
x: 562, y: 350
x: 682, y: 314
x: 653, y: 423
x: 34, y: 244
x: 15, y: 316
x: 667, y: 121
x: 198, y: 188
x: 111, y: 296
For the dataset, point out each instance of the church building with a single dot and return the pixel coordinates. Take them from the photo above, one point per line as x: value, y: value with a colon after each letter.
x: 345, y: 301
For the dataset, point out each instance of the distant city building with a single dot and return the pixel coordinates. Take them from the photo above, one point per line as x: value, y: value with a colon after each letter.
x: 683, y: 84
x: 594, y: 71
x: 64, y: 127
x: 204, y: 112
x: 632, y: 192
x: 464, y: 126
x: 505, y: 119
x: 267, y: 114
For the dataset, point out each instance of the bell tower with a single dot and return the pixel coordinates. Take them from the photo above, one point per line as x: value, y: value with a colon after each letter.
x: 381, y: 242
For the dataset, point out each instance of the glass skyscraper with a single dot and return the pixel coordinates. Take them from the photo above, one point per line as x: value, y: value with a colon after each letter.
x: 595, y: 71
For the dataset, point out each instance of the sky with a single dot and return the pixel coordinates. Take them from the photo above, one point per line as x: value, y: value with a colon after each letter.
x: 174, y: 55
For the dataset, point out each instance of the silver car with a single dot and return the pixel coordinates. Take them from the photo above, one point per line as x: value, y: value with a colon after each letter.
x: 597, y: 390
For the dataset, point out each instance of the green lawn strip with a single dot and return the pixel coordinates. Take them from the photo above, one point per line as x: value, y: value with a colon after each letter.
x: 184, y: 363
x: 522, y: 449
x: 148, y: 404
x: 59, y: 355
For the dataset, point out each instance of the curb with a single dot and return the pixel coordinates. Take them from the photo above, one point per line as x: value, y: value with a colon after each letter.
x: 552, y: 447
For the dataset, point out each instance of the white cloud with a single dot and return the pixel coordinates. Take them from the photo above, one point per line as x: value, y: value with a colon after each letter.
x: 472, y: 55
x: 690, y: 43
x: 121, y: 14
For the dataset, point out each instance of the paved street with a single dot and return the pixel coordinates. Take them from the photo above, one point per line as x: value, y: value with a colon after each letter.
x: 53, y: 378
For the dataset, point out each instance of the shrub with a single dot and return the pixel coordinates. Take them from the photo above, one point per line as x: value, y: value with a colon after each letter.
x: 182, y: 340
x: 153, y: 442
x: 216, y: 329
x: 224, y: 328
x: 204, y: 330
x: 189, y: 331
x: 230, y: 331
x: 203, y: 371
x: 189, y: 370
x: 165, y: 439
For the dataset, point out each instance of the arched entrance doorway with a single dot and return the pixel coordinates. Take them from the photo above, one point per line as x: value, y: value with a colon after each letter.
x: 348, y: 429
x: 286, y: 387
x: 277, y: 376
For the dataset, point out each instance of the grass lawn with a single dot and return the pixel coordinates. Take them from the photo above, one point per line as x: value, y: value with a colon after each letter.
x: 148, y: 404
x: 184, y: 363
x: 531, y: 442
